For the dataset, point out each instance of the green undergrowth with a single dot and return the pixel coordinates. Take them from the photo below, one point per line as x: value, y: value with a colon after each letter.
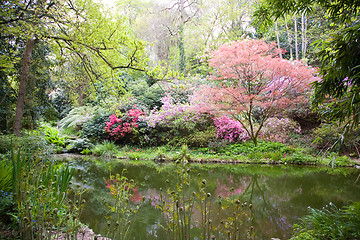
x: 264, y: 153
x: 330, y: 223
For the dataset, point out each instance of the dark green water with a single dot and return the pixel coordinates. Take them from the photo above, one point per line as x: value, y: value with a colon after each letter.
x: 279, y: 195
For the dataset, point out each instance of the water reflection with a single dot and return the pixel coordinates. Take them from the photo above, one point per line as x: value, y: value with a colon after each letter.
x: 278, y: 195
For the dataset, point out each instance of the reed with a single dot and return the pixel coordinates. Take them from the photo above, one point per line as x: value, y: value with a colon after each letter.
x: 41, y: 189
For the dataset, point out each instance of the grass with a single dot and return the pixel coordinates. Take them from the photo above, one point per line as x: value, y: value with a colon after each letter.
x: 105, y: 149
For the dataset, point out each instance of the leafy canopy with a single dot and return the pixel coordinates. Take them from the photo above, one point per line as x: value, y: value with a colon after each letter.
x: 340, y: 55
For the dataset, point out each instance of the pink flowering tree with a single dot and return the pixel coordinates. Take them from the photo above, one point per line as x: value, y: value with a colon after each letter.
x: 124, y: 127
x: 253, y: 84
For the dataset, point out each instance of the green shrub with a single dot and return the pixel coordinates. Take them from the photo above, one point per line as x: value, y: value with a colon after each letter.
x: 300, y: 158
x: 94, y: 129
x: 52, y: 135
x: 249, y: 147
x: 160, y: 154
x: 5, y: 143
x: 34, y: 140
x: 5, y: 176
x: 86, y: 151
x: 333, y: 137
x: 255, y: 156
x: 275, y: 156
x: 336, y: 160
x: 77, y: 117
x: 7, y: 207
x: 79, y: 145
x: 202, y: 138
x: 195, y: 139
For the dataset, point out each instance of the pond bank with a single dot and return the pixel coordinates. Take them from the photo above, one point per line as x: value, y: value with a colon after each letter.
x: 354, y: 163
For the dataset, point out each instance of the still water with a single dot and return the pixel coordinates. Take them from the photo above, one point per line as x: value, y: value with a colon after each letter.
x: 278, y: 195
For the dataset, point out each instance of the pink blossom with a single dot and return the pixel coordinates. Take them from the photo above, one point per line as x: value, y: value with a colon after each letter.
x: 117, y: 128
x: 230, y: 129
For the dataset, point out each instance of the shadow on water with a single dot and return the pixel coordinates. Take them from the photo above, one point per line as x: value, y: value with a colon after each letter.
x: 277, y: 195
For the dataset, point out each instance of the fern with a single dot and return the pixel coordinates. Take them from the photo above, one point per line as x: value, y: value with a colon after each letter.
x: 77, y: 117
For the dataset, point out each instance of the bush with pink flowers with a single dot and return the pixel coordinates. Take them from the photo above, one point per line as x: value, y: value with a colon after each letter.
x: 125, y: 128
x: 230, y: 129
x: 278, y: 129
x: 179, y: 123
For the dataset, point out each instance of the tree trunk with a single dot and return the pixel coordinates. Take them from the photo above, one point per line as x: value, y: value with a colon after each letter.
x: 303, y: 35
x: 278, y: 38
x: 289, y: 39
x: 296, y: 39
x: 25, y: 69
x: 182, y: 59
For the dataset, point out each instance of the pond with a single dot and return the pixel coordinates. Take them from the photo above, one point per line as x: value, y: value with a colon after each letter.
x: 256, y: 201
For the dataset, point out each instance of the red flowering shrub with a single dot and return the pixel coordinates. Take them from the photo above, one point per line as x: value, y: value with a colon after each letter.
x: 230, y: 129
x: 119, y: 128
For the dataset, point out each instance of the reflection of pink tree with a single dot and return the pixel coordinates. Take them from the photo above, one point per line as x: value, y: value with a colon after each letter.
x: 224, y: 190
x: 117, y: 187
x: 123, y: 192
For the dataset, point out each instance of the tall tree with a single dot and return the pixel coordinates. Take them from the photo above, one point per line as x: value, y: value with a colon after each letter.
x: 184, y: 11
x: 25, y: 69
x: 76, y: 26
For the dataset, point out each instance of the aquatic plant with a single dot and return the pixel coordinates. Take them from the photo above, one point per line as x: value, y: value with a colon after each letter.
x: 122, y: 210
x: 179, y: 206
x: 330, y: 223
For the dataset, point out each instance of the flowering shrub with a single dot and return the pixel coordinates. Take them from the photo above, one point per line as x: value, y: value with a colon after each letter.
x: 118, y: 128
x: 230, y: 129
x: 168, y: 112
x: 278, y: 129
x: 177, y: 123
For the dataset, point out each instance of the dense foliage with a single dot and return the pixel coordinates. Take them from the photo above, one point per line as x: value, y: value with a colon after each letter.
x: 179, y: 123
x: 337, y: 94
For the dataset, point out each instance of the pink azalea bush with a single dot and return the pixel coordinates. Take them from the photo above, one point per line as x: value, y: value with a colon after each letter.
x: 172, y: 114
x: 118, y: 127
x: 178, y: 123
x: 278, y: 129
x: 230, y: 129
